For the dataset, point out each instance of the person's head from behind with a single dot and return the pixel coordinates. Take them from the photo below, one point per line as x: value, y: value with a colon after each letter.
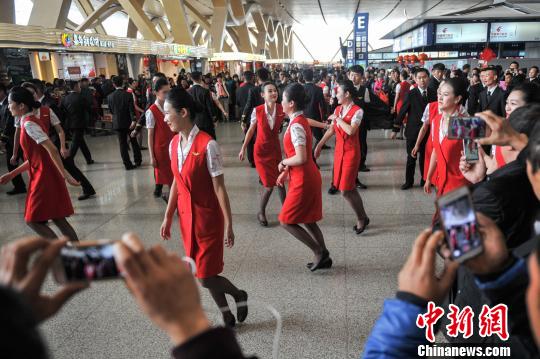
x: 451, y: 93
x: 269, y: 92
x: 294, y: 98
x: 421, y: 77
x: 39, y: 87
x: 32, y: 88
x: 263, y: 75
x: 356, y: 74
x: 308, y: 75
x: 84, y: 83
x: 161, y: 89
x: 438, y: 71
x: 522, y: 120
x: 196, y: 76
x: 524, y: 94
x: 118, y: 81
x: 346, y: 92
x: 179, y: 110
x: 249, y: 76
x: 466, y: 68
x: 403, y: 75
x: 73, y: 86
x: 21, y: 101
x: 533, y: 72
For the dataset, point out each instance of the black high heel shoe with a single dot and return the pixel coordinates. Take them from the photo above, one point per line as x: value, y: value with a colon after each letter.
x: 363, y: 228
x: 263, y: 222
x: 324, y: 263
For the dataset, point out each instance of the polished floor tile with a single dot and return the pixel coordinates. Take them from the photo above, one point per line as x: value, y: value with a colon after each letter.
x: 327, y: 314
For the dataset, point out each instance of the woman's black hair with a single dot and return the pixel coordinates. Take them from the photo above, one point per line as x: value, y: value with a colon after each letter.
x: 267, y: 83
x: 533, y: 147
x: 459, y: 86
x: 348, y: 86
x: 180, y: 98
x: 524, y: 119
x: 295, y: 92
x: 160, y: 83
x: 530, y: 91
x: 404, y: 74
x: 19, y: 95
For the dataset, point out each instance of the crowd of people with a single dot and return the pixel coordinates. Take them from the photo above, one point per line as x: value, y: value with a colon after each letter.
x: 287, y: 118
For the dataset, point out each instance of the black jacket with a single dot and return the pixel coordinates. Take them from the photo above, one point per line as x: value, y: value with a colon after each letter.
x: 122, y: 108
x: 496, y: 103
x: 7, y: 122
x: 204, y: 118
x: 75, y: 106
x: 413, y: 106
x: 242, y: 93
x: 315, y: 106
x: 254, y: 99
x: 473, y: 102
x: 433, y: 86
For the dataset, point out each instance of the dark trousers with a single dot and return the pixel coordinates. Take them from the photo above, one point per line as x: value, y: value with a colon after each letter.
x: 123, y: 138
x: 362, y: 133
x: 411, y: 161
x: 75, y: 172
x: 77, y: 141
x: 17, y: 181
x: 251, y: 146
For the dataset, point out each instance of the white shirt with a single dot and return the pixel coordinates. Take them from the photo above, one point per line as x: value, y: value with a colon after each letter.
x: 298, y: 134
x: 490, y: 90
x: 150, y: 120
x: 270, y: 117
x: 366, y: 94
x: 34, y: 130
x: 357, y: 117
x: 214, y: 159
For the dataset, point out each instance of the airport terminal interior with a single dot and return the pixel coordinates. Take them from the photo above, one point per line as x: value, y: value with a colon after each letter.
x: 269, y: 178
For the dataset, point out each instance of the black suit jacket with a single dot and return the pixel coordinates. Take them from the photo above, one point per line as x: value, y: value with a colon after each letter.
x: 496, y: 103
x: 254, y: 99
x: 75, y: 107
x: 242, y: 93
x: 122, y: 108
x: 473, y: 102
x: 413, y: 106
x: 7, y: 122
x: 204, y: 118
x: 433, y: 86
x: 315, y: 107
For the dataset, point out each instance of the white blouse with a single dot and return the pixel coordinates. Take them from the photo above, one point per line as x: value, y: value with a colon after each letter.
x: 150, y: 120
x: 33, y: 129
x: 271, y: 117
x: 298, y: 134
x: 214, y: 159
x: 357, y: 117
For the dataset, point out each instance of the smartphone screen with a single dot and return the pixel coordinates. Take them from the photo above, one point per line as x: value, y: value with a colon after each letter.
x: 470, y: 150
x: 88, y: 261
x: 466, y: 128
x: 459, y: 220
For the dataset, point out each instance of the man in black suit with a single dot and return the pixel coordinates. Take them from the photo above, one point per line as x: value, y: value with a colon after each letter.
x: 254, y: 99
x: 315, y: 106
x: 76, y: 107
x: 533, y: 75
x: 414, y: 104
x: 242, y: 94
x: 205, y: 118
x: 7, y: 135
x: 473, y: 101
x: 122, y: 108
x: 492, y: 97
x: 434, y: 81
x: 285, y: 80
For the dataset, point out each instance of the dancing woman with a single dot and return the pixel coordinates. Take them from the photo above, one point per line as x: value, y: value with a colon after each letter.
x: 303, y: 204
x: 198, y: 192
x: 266, y: 119
x: 346, y: 120
x: 48, y: 197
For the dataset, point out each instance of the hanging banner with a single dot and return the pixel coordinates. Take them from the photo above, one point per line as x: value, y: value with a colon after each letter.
x: 361, y: 22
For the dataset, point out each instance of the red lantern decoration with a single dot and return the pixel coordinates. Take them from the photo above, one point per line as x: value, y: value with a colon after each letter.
x: 487, y: 54
x: 399, y: 59
x: 146, y: 61
x: 175, y: 62
x: 407, y: 58
x: 414, y: 59
x: 422, y: 57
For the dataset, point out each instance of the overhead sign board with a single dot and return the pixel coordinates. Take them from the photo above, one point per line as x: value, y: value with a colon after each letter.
x: 514, y: 31
x: 421, y: 36
x: 361, y: 22
x: 461, y: 33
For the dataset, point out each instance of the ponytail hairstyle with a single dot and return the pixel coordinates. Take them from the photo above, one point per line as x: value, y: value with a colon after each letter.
x: 20, y: 95
x: 179, y: 99
x: 295, y: 92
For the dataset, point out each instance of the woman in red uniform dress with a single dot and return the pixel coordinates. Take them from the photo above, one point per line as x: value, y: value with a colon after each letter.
x: 402, y: 89
x: 266, y: 119
x: 346, y: 120
x: 48, y: 197
x: 198, y: 192
x: 446, y: 153
x: 159, y: 138
x: 303, y: 204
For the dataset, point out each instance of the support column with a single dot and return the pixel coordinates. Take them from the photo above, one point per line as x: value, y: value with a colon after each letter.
x: 50, y: 13
x: 96, y: 17
x: 261, y: 32
x: 86, y: 8
x: 176, y: 13
x: 238, y: 12
x: 219, y: 19
x: 141, y: 21
x: 7, y: 15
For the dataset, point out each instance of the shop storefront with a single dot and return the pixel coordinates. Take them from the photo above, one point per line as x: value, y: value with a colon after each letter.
x: 236, y: 62
x: 52, y: 53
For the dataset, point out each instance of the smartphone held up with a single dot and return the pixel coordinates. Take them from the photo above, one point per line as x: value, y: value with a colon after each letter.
x: 470, y: 128
x: 460, y: 224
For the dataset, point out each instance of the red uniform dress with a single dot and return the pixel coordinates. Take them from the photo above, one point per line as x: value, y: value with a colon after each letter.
x: 449, y: 177
x: 267, y: 149
x: 433, y: 108
x: 303, y: 203
x: 200, y: 216
x: 48, y: 197
x: 162, y: 139
x: 404, y: 89
x: 347, y: 152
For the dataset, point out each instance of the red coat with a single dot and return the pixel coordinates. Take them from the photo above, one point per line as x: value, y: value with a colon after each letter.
x: 48, y: 197
x: 303, y: 203
x: 200, y: 216
x: 267, y: 150
x: 162, y: 138
x: 346, y: 154
x: 433, y: 111
x: 449, y: 177
x: 404, y: 89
